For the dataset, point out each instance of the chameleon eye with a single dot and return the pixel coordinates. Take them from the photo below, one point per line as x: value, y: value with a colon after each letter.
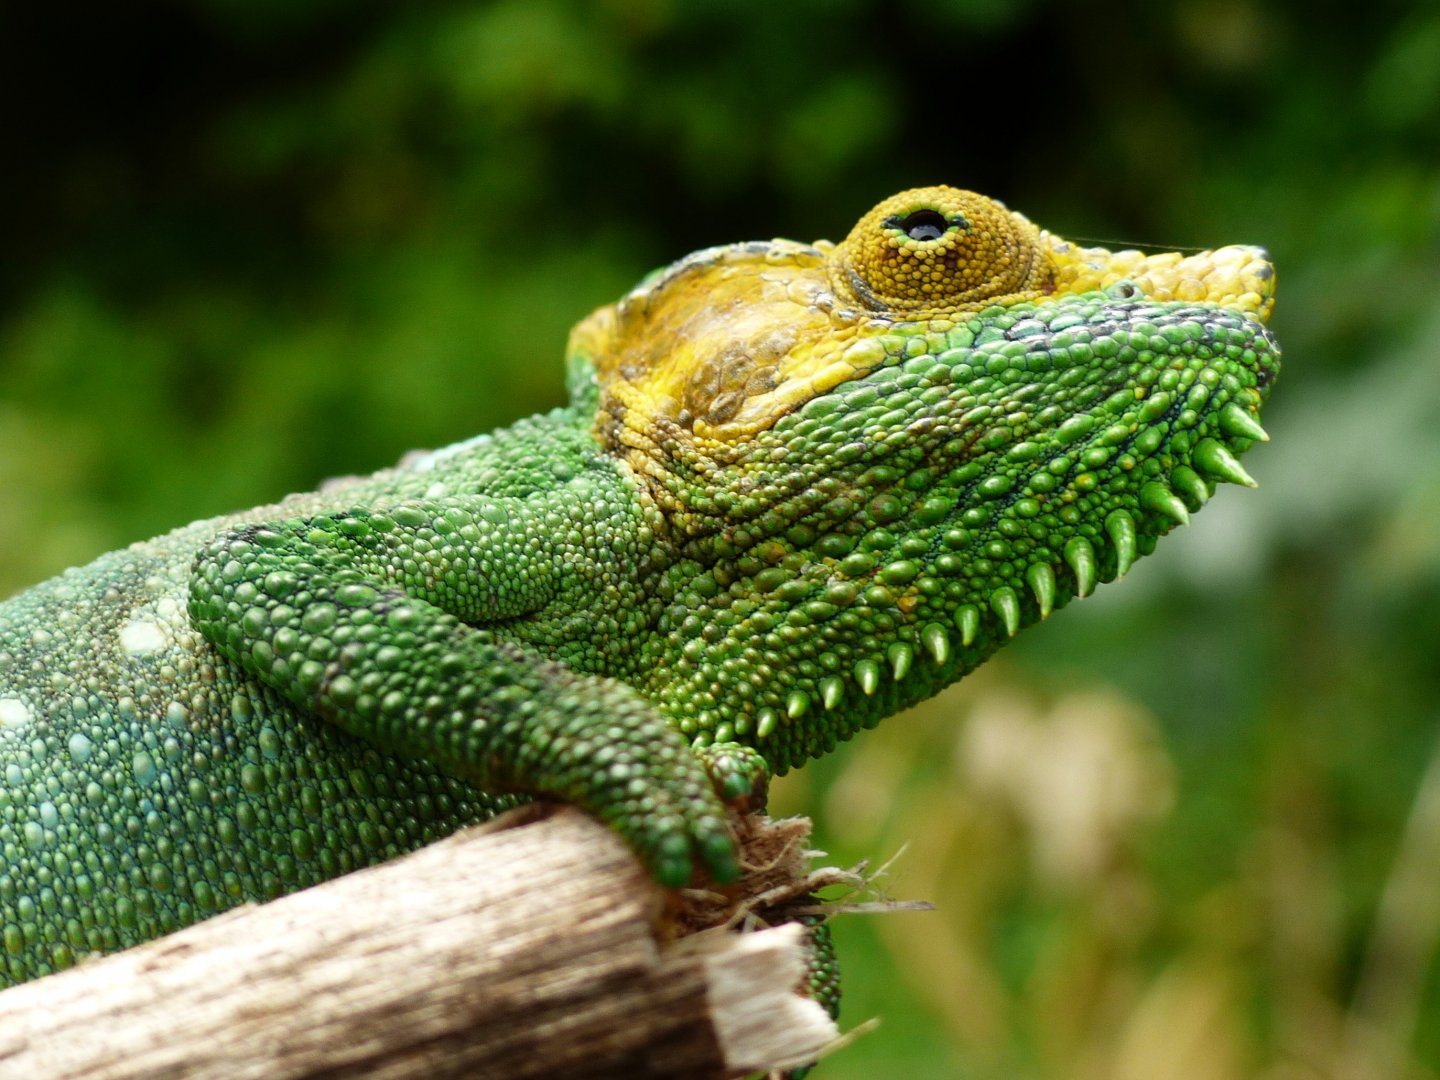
x: 934, y: 250
x: 921, y: 225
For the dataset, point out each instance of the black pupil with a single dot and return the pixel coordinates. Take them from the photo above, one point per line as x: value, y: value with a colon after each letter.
x: 925, y: 225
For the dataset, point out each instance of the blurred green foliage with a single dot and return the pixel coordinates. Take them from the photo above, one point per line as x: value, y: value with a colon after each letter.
x: 1190, y: 828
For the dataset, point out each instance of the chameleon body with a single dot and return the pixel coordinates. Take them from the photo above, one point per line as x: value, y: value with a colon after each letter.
x: 797, y: 488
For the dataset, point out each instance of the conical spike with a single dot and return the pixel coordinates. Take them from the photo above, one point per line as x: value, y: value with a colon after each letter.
x: 1236, y: 421
x: 1007, y: 606
x: 832, y: 690
x: 867, y: 674
x: 1212, y: 456
x: 797, y: 704
x: 766, y: 722
x: 1159, y: 498
x: 1121, y: 528
x: 1190, y: 485
x: 901, y: 657
x: 936, y: 641
x: 967, y: 621
x: 1080, y: 557
x: 1042, y: 583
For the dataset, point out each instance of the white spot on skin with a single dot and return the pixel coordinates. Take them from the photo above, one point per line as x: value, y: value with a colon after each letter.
x: 80, y: 747
x: 142, y: 766
x: 141, y: 636
x: 14, y: 712
x: 426, y: 462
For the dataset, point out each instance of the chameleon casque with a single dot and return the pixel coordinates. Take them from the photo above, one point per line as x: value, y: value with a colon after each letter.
x: 797, y: 488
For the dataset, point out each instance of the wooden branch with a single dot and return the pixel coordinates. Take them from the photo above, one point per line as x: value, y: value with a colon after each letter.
x: 508, y: 952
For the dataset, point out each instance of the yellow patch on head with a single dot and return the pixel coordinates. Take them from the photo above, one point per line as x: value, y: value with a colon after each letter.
x: 724, y: 342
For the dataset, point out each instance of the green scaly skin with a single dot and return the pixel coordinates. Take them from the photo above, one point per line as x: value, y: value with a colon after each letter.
x: 742, y: 556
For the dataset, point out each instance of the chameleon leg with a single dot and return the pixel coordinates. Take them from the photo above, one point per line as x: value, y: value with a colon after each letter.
x: 400, y: 672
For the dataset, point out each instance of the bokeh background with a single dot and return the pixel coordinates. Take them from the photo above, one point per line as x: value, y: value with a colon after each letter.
x: 1191, y: 827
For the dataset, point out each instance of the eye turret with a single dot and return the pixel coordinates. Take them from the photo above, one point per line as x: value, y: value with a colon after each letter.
x: 935, y: 249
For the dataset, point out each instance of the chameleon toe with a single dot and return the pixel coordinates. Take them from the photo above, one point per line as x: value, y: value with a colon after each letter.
x: 717, y: 852
x: 739, y: 775
x: 670, y: 861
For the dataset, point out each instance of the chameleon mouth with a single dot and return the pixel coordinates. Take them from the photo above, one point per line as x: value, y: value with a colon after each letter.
x: 1240, y: 276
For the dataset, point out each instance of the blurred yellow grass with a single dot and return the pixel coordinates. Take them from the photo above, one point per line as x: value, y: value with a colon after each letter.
x: 1055, y: 950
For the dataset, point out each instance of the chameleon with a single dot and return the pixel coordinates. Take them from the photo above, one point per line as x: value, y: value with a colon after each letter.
x: 796, y: 488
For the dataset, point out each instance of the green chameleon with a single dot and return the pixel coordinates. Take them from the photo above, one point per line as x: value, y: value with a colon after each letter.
x: 797, y: 488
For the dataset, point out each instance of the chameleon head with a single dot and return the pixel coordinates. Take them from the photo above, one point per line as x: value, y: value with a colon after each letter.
x: 728, y: 341
x: 891, y: 453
